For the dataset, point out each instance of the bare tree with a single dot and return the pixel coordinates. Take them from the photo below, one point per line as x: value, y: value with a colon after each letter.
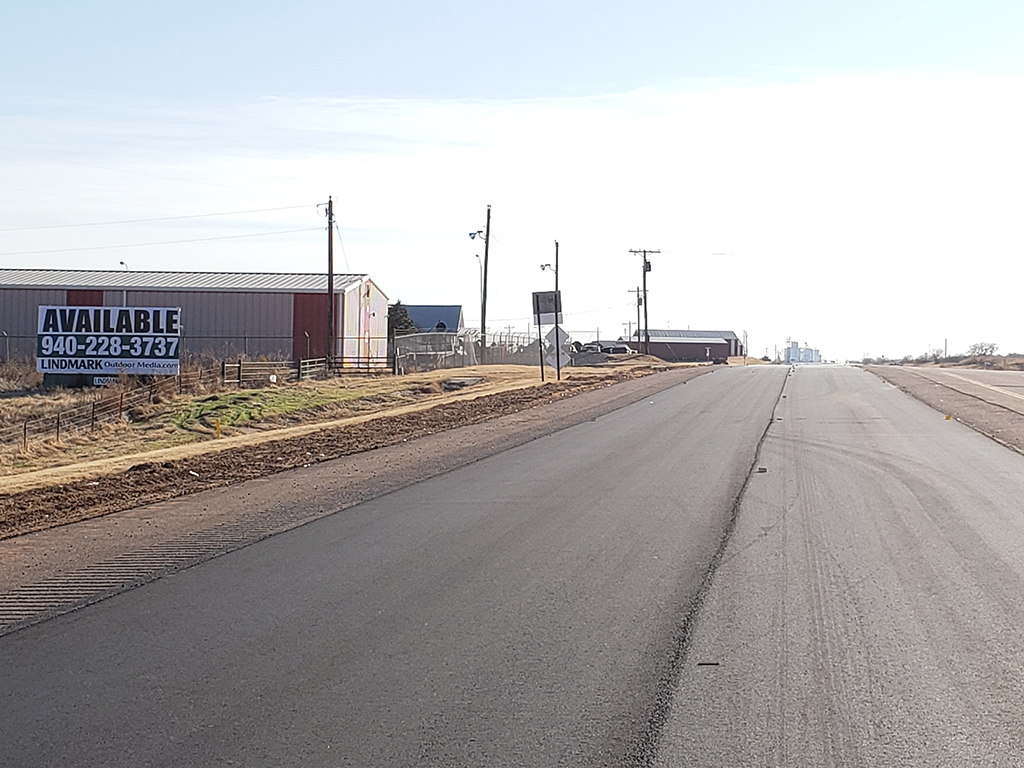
x: 982, y: 348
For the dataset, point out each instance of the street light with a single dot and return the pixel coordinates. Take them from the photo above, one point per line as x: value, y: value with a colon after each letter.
x: 124, y: 293
x: 558, y: 306
x: 485, y: 235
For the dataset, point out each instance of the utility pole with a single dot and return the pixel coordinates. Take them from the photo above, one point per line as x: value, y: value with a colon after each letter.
x: 558, y: 306
x: 647, y: 328
x: 330, y: 280
x: 483, y: 290
x: 483, y: 307
x: 558, y: 310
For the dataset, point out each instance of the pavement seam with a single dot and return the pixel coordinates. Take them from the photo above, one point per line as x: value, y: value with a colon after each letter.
x: 645, y: 749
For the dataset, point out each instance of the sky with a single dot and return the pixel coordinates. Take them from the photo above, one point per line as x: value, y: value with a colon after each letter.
x: 848, y: 175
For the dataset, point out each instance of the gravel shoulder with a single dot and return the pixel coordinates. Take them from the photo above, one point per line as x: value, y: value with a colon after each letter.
x: 62, y: 528
x: 996, y: 412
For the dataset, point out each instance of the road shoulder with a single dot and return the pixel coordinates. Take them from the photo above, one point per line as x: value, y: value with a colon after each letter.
x: 297, y: 496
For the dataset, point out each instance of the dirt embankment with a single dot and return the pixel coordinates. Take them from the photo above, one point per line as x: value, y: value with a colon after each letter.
x: 167, y: 475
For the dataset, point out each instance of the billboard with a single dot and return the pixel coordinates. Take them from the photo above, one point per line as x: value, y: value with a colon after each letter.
x: 106, y: 341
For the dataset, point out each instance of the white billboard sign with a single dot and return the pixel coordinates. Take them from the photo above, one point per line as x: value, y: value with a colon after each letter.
x: 106, y: 341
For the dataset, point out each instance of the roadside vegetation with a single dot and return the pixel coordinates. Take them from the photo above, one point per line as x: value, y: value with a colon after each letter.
x: 180, y: 420
x: 1010, y: 362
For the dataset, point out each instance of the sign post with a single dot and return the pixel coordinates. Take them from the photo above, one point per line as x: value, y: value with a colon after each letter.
x: 547, y: 309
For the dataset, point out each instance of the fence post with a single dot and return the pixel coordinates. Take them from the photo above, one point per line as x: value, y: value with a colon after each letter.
x: 92, y: 419
x: 58, y: 427
x: 120, y: 407
x: 223, y: 372
x: 24, y: 436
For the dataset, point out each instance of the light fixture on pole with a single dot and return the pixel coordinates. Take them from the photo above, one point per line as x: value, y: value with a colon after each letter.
x: 485, y: 234
x: 558, y: 308
x: 124, y: 293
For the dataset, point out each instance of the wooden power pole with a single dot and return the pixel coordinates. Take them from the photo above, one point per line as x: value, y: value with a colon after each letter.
x: 483, y: 303
x: 330, y: 280
x: 647, y: 328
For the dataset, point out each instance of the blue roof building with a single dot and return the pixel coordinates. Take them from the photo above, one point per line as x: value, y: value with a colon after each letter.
x: 436, y: 317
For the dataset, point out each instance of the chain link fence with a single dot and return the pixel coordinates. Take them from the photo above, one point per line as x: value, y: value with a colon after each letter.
x: 459, y: 349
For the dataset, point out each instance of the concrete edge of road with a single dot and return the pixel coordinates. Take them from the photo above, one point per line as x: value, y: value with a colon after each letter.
x: 647, y: 747
x: 973, y: 411
x: 53, y: 572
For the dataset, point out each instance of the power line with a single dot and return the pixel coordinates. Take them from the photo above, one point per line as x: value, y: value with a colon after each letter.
x: 163, y: 242
x: 342, y: 243
x: 148, y: 221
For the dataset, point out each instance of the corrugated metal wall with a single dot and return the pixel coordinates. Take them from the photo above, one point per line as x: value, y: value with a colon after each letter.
x: 88, y: 298
x: 688, y: 352
x: 365, y: 334
x: 227, y: 324
x: 350, y: 344
x: 19, y: 318
x: 309, y: 315
x: 377, y: 325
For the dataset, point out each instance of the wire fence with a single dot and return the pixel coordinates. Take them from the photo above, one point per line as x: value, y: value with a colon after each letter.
x: 104, y: 409
x: 411, y: 353
x: 353, y: 350
x: 441, y: 350
x: 257, y: 373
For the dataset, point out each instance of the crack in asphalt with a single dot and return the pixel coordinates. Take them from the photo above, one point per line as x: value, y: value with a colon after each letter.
x: 646, y: 747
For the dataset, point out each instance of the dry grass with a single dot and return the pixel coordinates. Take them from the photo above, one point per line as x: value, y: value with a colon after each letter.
x: 18, y: 376
x: 193, y: 419
x: 190, y: 422
x: 17, y: 407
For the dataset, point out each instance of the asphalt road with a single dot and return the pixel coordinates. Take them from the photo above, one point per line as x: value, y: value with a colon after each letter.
x: 868, y: 608
x: 530, y: 609
x: 595, y: 597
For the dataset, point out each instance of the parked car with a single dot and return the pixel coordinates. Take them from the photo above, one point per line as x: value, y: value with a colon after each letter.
x: 607, y: 347
x: 617, y: 349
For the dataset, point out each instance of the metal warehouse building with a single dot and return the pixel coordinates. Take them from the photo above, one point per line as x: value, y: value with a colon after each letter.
x: 691, y: 346
x: 223, y: 314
